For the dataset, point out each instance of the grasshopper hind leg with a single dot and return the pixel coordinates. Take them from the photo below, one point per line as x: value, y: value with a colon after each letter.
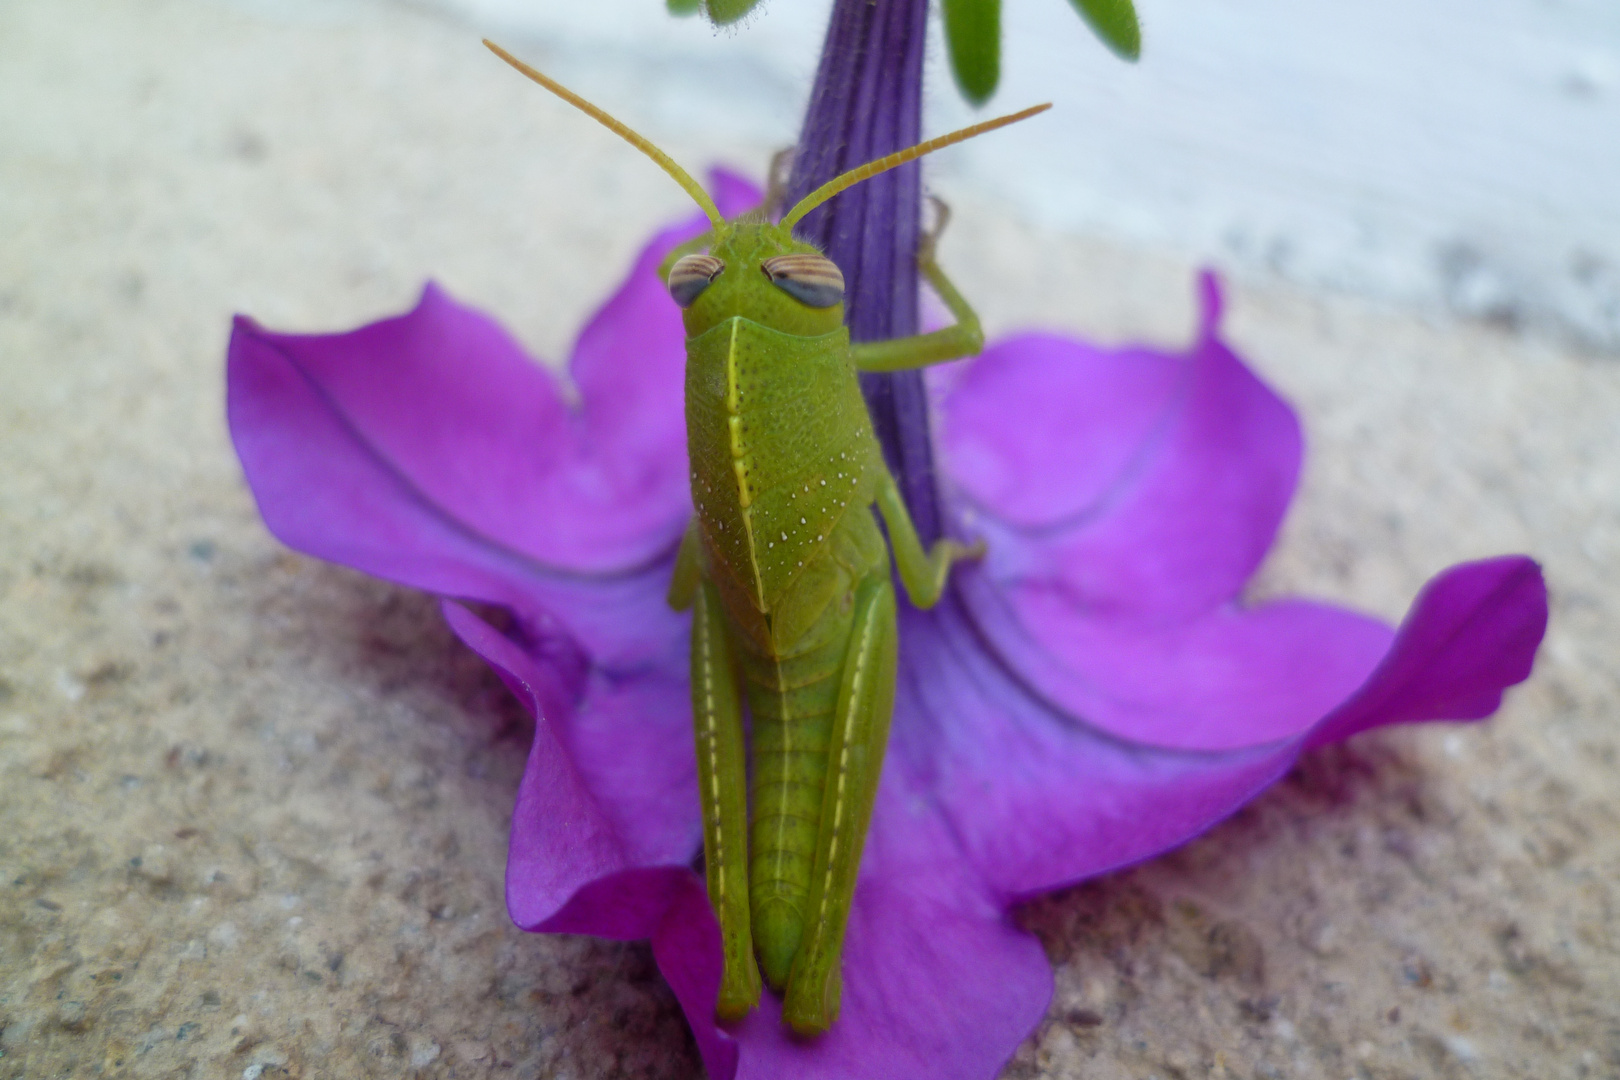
x: 722, y: 772
x: 854, y: 763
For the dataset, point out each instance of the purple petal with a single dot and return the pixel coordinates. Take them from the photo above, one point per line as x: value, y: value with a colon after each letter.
x: 1237, y: 677
x: 632, y: 741
x: 611, y: 780
x: 576, y: 843
x: 1162, y: 443
x: 1043, y: 795
x: 427, y: 449
x: 1139, y: 482
x: 1123, y: 510
x: 938, y: 984
x: 1038, y: 798
x: 1472, y: 632
x: 1229, y: 679
x: 446, y: 401
x: 325, y: 488
x: 1040, y: 428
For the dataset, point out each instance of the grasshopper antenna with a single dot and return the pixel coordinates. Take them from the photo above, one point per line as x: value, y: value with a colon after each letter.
x: 900, y: 157
x: 640, y: 142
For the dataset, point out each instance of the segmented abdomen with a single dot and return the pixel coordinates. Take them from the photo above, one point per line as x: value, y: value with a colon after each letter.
x: 792, y: 688
x: 792, y: 703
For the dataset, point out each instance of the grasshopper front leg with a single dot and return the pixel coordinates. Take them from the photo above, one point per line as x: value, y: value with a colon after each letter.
x: 854, y: 764
x: 965, y: 338
x: 923, y: 573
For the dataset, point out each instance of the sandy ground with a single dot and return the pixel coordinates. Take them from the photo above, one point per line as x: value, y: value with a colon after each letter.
x: 253, y: 808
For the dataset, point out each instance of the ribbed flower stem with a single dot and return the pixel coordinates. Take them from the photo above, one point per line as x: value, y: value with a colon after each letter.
x: 867, y: 102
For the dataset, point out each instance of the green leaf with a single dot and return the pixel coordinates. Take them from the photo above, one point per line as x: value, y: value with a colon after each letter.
x: 725, y: 12
x: 973, y: 36
x: 1115, y: 22
x: 683, y: 7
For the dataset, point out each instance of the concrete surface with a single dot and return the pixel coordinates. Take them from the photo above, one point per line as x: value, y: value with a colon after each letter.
x: 253, y: 808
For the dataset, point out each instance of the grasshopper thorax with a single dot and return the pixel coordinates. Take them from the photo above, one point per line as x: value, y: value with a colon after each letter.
x: 756, y: 270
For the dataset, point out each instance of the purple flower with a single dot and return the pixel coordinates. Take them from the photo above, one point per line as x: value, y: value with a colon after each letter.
x: 1093, y: 693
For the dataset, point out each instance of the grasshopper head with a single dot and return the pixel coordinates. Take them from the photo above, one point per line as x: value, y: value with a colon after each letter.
x: 756, y: 270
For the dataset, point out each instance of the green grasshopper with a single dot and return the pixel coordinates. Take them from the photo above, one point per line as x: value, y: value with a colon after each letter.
x: 788, y: 575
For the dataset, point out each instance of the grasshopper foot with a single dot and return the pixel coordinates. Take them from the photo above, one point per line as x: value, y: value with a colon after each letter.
x: 739, y: 989
x: 813, y: 1000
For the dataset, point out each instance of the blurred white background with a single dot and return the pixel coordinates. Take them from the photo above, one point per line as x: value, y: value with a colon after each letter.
x: 1451, y: 155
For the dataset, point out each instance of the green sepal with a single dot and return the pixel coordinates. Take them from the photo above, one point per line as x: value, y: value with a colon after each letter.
x: 1115, y: 22
x: 683, y: 7
x: 973, y: 37
x: 726, y: 12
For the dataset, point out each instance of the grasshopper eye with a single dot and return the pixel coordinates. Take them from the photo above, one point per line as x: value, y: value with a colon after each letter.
x: 813, y: 280
x: 690, y: 275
